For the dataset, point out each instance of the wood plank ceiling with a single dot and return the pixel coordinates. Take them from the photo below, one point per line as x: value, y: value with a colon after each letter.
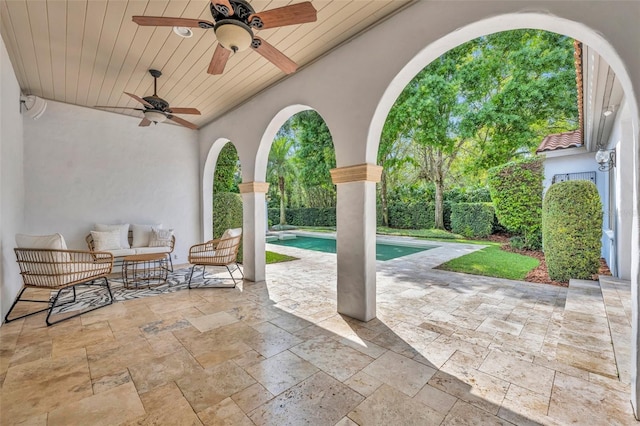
x: 88, y: 52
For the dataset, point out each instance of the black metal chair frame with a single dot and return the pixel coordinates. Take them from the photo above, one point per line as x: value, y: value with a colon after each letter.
x: 59, y: 270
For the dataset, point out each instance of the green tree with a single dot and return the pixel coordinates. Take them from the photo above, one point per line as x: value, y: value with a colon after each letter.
x: 314, y: 157
x: 227, y: 174
x: 487, y: 100
x: 280, y: 168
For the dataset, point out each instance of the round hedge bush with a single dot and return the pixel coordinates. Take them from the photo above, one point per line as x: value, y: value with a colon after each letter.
x: 572, y: 230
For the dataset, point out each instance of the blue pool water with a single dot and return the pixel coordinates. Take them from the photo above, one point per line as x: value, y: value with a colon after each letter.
x: 384, y: 251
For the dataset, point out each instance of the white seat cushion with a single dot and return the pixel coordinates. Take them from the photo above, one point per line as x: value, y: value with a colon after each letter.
x: 122, y: 252
x: 147, y: 250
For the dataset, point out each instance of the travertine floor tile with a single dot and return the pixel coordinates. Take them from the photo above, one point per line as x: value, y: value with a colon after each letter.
x: 271, y: 340
x: 158, y: 371
x: 252, y: 397
x: 165, y: 405
x: 320, y: 400
x: 226, y: 412
x: 281, y: 371
x: 204, y: 388
x: 436, y: 399
x: 388, y: 406
x: 363, y: 383
x: 463, y: 413
x: 574, y: 401
x: 522, y: 373
x: 404, y: 374
x: 114, y: 406
x: 209, y: 322
x: 332, y: 357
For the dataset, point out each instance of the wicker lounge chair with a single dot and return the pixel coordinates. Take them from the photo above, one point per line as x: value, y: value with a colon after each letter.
x: 58, y: 270
x: 220, y: 252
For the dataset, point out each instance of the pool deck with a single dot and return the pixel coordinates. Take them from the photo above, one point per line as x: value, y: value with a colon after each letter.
x: 445, y: 348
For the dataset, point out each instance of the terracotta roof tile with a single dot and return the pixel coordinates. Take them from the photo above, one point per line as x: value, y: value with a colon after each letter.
x: 561, y: 141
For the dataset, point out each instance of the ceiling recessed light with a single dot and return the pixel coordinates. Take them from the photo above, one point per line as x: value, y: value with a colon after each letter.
x: 183, y: 31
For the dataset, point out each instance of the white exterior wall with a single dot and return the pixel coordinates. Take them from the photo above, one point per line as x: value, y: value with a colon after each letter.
x: 11, y: 181
x: 621, y: 135
x: 85, y: 166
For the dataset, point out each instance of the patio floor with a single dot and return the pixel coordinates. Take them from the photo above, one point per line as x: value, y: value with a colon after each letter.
x: 446, y: 348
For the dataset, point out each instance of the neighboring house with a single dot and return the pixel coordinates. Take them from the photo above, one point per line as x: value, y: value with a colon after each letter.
x: 572, y: 155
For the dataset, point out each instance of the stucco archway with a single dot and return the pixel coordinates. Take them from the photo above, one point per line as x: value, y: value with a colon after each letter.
x: 558, y: 25
x: 207, y: 187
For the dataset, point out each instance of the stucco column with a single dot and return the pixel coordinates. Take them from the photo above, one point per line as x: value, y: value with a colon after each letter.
x: 253, y: 224
x: 356, y: 239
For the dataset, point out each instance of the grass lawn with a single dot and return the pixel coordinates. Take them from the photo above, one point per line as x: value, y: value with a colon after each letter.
x: 273, y: 257
x: 493, y: 262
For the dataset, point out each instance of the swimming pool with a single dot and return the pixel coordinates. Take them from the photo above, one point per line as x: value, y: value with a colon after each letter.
x: 384, y: 250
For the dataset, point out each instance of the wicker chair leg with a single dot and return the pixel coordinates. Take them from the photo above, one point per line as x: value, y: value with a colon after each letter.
x: 191, y: 276
x: 15, y: 302
x: 232, y: 277
x: 170, y: 263
x: 53, y: 304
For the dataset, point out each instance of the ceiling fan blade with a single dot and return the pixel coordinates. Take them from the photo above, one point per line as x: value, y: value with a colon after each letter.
x: 185, y: 111
x: 288, y: 15
x: 165, y: 21
x: 116, y: 107
x: 144, y: 122
x: 219, y: 60
x: 223, y: 3
x: 139, y: 99
x: 274, y: 55
x: 185, y: 123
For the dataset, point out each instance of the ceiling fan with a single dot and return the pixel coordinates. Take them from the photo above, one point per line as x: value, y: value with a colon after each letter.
x: 156, y: 110
x: 235, y: 21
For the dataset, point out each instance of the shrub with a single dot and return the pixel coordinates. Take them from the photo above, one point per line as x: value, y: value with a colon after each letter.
x: 227, y: 213
x: 309, y: 216
x: 517, y: 242
x: 516, y: 192
x: 472, y: 219
x: 572, y: 230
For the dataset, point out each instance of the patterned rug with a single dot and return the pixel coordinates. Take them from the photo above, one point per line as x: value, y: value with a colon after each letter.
x: 95, y: 295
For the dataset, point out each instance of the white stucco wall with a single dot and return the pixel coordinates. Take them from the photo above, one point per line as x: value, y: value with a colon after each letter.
x: 87, y: 166
x: 621, y: 135
x: 11, y: 180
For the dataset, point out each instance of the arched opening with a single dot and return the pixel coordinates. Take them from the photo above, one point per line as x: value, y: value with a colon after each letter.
x: 629, y: 121
x: 208, y: 186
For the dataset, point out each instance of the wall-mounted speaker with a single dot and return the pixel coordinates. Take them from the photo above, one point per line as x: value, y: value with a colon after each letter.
x: 34, y: 106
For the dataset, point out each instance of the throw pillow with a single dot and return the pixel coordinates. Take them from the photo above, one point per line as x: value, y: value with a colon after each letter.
x: 106, y: 240
x: 160, y: 237
x: 124, y: 232
x: 142, y: 234
x: 51, y: 242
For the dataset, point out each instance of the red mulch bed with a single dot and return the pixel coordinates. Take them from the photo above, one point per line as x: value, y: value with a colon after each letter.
x: 541, y: 275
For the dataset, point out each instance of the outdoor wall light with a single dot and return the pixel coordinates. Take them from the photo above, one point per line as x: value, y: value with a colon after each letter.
x: 610, y: 110
x: 606, y: 159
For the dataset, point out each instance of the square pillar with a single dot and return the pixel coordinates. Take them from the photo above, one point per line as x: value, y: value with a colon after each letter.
x: 356, y: 239
x: 254, y: 230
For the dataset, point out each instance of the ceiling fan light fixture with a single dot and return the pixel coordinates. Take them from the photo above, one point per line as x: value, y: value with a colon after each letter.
x: 233, y: 35
x: 183, y: 31
x: 155, y: 116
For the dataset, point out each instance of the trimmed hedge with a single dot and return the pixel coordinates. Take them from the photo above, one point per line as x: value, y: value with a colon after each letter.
x: 472, y: 219
x: 309, y: 216
x: 227, y: 213
x: 516, y: 191
x: 572, y: 230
